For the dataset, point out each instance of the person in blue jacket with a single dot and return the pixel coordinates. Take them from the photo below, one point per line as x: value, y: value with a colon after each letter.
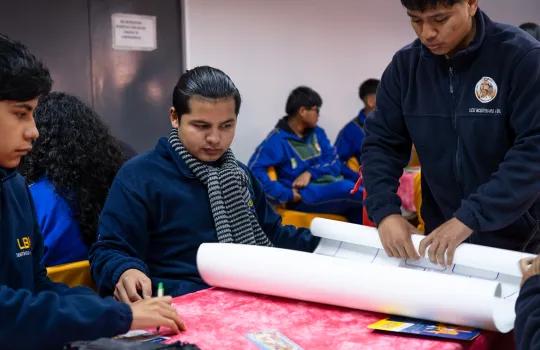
x: 36, y: 313
x: 308, y: 170
x: 466, y: 94
x: 188, y: 190
x: 350, y: 138
x: 527, y: 324
x: 70, y: 168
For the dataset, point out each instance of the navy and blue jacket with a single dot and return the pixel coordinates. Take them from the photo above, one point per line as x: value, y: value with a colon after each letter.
x: 527, y: 325
x: 156, y: 216
x: 36, y: 313
x: 480, y: 154
x: 62, y: 238
x: 349, y: 144
x: 292, y: 155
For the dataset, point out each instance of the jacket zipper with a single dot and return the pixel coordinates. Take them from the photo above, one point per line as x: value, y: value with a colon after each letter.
x: 454, y: 123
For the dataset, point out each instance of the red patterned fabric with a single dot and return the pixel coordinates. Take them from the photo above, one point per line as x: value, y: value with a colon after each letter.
x: 220, y: 319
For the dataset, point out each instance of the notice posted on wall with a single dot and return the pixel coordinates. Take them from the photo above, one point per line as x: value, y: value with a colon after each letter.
x: 133, y: 32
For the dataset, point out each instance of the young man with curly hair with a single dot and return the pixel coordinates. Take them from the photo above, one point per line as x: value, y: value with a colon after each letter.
x: 466, y: 94
x: 188, y: 190
x: 35, y: 312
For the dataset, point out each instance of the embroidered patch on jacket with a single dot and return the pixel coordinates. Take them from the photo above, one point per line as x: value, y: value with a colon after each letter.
x: 293, y: 163
x: 24, y: 245
x: 486, y: 90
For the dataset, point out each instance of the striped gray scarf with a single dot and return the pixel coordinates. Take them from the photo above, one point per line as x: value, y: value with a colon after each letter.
x: 229, y: 196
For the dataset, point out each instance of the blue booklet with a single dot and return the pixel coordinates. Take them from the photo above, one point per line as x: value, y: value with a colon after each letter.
x: 422, y: 327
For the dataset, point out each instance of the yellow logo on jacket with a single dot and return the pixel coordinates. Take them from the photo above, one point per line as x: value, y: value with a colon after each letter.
x: 25, y: 245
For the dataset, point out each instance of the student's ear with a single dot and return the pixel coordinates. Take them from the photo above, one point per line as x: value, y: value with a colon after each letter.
x: 473, y: 7
x: 173, y: 117
x: 302, y: 111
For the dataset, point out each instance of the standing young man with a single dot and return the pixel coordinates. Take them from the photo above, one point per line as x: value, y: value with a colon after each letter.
x: 189, y: 190
x: 36, y: 313
x: 466, y: 94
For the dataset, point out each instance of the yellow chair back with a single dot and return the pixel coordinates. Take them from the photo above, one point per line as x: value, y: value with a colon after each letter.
x: 73, y: 274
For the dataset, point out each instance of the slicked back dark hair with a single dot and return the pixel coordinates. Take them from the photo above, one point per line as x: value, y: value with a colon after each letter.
x: 302, y: 96
x: 422, y: 5
x: 77, y: 154
x: 532, y: 28
x: 206, y: 82
x: 22, y: 76
x: 368, y: 87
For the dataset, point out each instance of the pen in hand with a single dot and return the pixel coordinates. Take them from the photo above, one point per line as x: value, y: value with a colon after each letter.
x: 160, y: 293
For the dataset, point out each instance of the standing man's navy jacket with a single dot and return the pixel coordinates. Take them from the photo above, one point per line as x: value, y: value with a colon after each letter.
x: 475, y: 121
x: 156, y: 216
x: 36, y: 313
x: 527, y: 326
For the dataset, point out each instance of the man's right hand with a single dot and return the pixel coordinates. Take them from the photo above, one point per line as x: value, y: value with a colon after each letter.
x: 133, y: 285
x: 155, y: 312
x: 395, y: 233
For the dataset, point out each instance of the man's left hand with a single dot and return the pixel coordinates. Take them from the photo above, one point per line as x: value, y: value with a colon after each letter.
x: 443, y: 241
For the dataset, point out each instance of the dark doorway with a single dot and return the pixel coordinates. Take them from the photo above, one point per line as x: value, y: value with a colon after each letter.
x: 130, y: 89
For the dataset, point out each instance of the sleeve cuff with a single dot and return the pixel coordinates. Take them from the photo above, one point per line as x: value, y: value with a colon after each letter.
x: 381, y: 213
x: 379, y: 207
x: 467, y: 217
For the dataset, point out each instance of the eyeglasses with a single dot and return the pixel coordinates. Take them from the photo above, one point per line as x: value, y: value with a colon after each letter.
x: 314, y: 108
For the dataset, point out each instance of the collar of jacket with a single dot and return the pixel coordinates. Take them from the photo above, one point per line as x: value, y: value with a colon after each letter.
x: 6, y: 174
x: 464, y: 56
x: 165, y: 149
x: 361, y: 117
x: 283, y: 124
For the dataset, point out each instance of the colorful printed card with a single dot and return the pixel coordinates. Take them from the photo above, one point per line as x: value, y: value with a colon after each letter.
x: 271, y: 339
x: 423, y: 327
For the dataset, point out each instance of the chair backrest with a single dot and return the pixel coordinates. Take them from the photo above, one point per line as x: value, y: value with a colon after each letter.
x: 353, y: 164
x: 272, y: 173
x: 73, y: 274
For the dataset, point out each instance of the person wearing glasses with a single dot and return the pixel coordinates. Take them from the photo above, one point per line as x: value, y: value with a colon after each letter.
x: 308, y: 169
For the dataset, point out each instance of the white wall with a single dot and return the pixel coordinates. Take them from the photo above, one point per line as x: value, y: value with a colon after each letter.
x: 268, y: 47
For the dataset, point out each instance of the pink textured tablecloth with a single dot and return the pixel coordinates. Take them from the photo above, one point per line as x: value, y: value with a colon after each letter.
x: 220, y: 319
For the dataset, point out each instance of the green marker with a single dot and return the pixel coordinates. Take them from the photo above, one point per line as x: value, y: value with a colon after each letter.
x: 160, y: 289
x: 160, y: 293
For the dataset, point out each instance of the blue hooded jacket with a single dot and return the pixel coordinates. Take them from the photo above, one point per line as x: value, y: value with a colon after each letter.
x: 349, y: 144
x: 475, y: 121
x: 156, y: 216
x: 36, y: 313
x: 291, y: 156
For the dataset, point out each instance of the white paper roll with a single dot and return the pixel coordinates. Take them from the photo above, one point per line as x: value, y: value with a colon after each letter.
x: 388, y: 289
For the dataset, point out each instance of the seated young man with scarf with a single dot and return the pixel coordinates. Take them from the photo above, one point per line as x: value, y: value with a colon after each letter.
x: 189, y: 190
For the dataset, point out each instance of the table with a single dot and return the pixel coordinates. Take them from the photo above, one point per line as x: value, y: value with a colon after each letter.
x: 220, y: 319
